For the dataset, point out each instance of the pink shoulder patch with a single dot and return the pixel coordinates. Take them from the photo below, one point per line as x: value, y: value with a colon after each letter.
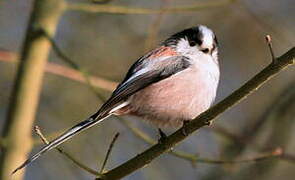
x: 164, y: 51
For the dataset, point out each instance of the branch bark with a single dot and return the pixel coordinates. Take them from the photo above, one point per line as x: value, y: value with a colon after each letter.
x: 205, y: 118
x: 25, y: 94
x: 112, y: 9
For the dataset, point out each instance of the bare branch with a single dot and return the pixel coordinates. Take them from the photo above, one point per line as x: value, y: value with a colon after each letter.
x: 109, y: 152
x: 76, y: 75
x: 253, y: 84
x: 67, y: 155
x: 154, y: 27
x: 275, y: 153
x: 39, y: 133
x: 70, y: 62
x: 66, y: 72
x: 145, y: 137
x: 101, y: 1
x: 277, y: 110
x: 194, y: 158
x: 269, y: 43
x: 97, y: 8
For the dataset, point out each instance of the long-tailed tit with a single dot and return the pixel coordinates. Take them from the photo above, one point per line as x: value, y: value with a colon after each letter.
x: 169, y: 85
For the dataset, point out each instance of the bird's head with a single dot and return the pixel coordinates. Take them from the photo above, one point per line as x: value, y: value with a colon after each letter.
x: 195, y: 41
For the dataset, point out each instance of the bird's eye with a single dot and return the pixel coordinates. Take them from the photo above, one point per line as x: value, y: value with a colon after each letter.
x: 192, y: 43
x: 206, y: 50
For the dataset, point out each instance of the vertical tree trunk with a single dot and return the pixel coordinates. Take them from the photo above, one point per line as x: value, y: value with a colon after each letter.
x: 24, y: 99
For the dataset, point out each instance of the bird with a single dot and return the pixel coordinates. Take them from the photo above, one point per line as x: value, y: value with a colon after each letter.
x: 168, y: 86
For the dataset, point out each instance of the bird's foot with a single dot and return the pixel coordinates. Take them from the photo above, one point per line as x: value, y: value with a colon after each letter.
x: 183, y: 127
x: 208, y: 123
x: 163, y: 136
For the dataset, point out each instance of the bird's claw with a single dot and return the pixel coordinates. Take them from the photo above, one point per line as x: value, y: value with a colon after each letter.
x: 163, y: 136
x: 208, y: 123
x: 183, y: 128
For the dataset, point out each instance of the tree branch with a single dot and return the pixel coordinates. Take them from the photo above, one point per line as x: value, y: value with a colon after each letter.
x: 278, y: 152
x: 253, y: 84
x: 154, y: 27
x: 98, y: 8
x: 70, y: 62
x: 101, y: 1
x: 193, y: 158
x: 109, y: 152
x: 64, y: 71
x: 269, y: 43
x: 67, y: 155
x: 276, y: 111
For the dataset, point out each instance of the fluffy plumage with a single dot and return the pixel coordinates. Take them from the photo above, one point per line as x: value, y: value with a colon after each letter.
x: 172, y: 83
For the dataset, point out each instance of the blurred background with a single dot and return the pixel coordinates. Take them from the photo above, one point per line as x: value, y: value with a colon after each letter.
x: 106, y: 44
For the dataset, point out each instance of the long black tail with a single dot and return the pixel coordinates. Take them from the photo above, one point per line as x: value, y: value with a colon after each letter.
x: 91, y: 121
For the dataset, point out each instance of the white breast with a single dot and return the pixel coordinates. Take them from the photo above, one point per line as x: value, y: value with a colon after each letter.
x: 180, y: 97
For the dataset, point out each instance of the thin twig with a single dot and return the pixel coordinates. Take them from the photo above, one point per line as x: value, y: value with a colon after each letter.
x: 154, y: 27
x: 97, y: 8
x: 275, y: 153
x: 280, y: 117
x: 109, y: 152
x: 269, y: 43
x: 64, y: 71
x: 276, y: 110
x: 241, y: 140
x: 70, y: 62
x: 79, y: 164
x: 264, y: 25
x: 101, y: 1
x: 39, y: 133
x: 244, y: 141
x: 249, y: 87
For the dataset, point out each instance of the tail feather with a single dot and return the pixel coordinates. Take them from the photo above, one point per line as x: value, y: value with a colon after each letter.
x: 62, y: 138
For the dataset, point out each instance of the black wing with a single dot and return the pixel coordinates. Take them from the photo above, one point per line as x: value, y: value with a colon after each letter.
x: 130, y: 86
